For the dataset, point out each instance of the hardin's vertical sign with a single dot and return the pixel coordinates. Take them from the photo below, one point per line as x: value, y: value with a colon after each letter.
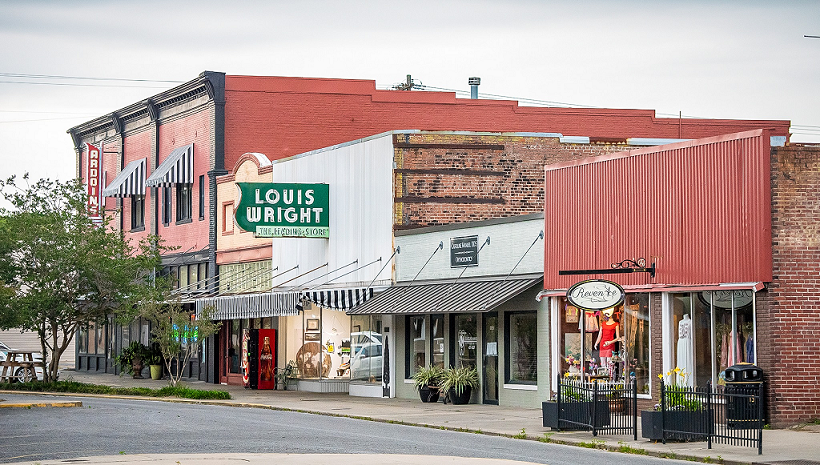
x: 94, y: 179
x: 284, y: 209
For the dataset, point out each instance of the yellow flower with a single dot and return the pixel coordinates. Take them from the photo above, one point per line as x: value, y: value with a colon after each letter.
x: 677, y: 370
x: 660, y: 375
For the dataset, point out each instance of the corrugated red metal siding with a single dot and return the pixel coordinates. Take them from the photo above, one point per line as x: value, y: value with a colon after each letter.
x: 700, y: 210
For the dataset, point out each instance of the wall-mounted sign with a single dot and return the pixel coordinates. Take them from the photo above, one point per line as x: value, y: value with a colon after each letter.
x: 726, y: 299
x: 94, y: 179
x: 464, y: 251
x: 595, y: 294
x: 284, y: 209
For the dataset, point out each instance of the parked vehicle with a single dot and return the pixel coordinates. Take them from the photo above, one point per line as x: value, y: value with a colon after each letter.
x: 24, y: 374
x: 366, y: 361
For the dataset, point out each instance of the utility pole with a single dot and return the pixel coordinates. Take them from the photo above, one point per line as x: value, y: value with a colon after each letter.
x: 408, y: 85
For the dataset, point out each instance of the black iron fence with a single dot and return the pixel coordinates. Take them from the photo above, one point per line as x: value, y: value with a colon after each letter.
x: 731, y: 414
x: 605, y: 407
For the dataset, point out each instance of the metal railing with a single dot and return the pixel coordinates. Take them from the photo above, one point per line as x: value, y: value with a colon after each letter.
x: 731, y: 414
x: 600, y: 406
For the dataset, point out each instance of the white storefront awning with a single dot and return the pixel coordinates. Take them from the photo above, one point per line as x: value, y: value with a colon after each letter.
x: 178, y: 168
x: 339, y: 299
x: 130, y: 181
x: 261, y: 305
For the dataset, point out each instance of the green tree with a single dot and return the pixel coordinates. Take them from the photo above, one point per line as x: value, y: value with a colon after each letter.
x: 177, y: 332
x: 58, y: 270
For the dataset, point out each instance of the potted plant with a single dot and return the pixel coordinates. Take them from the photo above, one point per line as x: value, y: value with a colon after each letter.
x: 132, y: 358
x: 427, y: 380
x: 154, y: 360
x: 458, y: 384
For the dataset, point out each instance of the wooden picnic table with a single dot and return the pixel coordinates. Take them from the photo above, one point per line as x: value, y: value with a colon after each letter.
x: 19, y: 359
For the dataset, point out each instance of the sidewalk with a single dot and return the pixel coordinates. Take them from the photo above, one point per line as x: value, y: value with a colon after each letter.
x: 778, y: 445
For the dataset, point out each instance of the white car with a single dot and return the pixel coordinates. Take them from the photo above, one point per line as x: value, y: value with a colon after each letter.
x: 23, y: 374
x: 366, y: 361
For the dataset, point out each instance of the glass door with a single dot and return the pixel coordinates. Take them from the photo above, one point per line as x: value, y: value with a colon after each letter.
x: 490, y: 358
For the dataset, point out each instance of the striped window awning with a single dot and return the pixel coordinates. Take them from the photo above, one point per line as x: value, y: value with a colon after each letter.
x: 130, y: 181
x: 178, y: 168
x: 339, y: 299
x: 261, y: 305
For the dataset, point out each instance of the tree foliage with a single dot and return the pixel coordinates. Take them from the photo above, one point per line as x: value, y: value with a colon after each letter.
x: 58, y: 270
x: 176, y: 331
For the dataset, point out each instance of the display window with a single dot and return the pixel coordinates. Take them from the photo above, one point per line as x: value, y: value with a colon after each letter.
x: 465, y: 341
x: 416, y: 338
x: 522, y: 348
x: 318, y: 341
x: 615, y: 341
x: 708, y: 332
x: 366, y: 348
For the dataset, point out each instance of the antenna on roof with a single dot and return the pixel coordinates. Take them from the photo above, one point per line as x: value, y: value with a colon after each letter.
x: 408, y: 85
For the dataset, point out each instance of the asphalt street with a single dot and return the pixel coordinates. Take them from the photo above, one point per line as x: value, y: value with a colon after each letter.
x: 123, y: 427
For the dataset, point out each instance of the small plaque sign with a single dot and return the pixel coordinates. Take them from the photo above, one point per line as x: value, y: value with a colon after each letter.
x: 463, y: 251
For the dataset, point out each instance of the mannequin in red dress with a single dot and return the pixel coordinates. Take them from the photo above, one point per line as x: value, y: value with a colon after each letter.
x: 609, y: 334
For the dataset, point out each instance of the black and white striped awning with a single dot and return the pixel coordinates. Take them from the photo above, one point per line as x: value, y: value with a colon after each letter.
x: 178, y: 168
x: 130, y: 181
x: 262, y: 305
x: 339, y: 299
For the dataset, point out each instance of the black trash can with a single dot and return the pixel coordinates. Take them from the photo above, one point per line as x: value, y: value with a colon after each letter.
x: 744, y: 396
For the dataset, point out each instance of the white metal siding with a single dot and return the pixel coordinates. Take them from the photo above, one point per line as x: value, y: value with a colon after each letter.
x: 361, y: 224
x: 508, y: 243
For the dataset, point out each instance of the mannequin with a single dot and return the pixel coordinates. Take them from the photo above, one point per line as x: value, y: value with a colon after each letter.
x: 609, y: 334
x: 686, y: 354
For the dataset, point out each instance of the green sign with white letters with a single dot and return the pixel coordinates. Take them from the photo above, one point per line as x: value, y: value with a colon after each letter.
x: 284, y: 209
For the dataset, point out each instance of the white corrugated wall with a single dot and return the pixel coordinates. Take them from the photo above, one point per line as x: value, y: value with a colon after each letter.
x: 359, y: 175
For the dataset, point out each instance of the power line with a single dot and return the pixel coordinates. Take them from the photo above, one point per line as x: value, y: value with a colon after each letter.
x: 86, y: 78
x: 79, y: 85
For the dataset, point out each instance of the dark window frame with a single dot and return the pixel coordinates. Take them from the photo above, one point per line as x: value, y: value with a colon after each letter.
x: 166, y: 205
x: 508, y: 349
x: 201, y: 197
x: 184, y: 201
x: 137, y: 213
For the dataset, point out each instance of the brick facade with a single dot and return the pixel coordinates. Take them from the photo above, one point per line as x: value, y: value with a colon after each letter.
x: 443, y: 178
x: 789, y: 313
x: 285, y: 116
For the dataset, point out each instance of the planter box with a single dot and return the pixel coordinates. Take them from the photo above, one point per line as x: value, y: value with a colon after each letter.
x: 428, y: 394
x: 697, y: 425
x: 462, y: 399
x: 580, y: 412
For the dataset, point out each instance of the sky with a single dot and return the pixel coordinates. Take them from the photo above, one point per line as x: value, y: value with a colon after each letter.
x: 65, y: 62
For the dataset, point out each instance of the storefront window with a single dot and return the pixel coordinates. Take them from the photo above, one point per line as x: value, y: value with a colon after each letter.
x: 318, y: 341
x: 437, y: 340
x: 417, y: 341
x: 366, y: 348
x: 710, y: 331
x: 235, y: 347
x: 100, y: 339
x: 466, y: 340
x: 628, y: 321
x: 634, y: 352
x: 82, y: 340
x: 522, y: 348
